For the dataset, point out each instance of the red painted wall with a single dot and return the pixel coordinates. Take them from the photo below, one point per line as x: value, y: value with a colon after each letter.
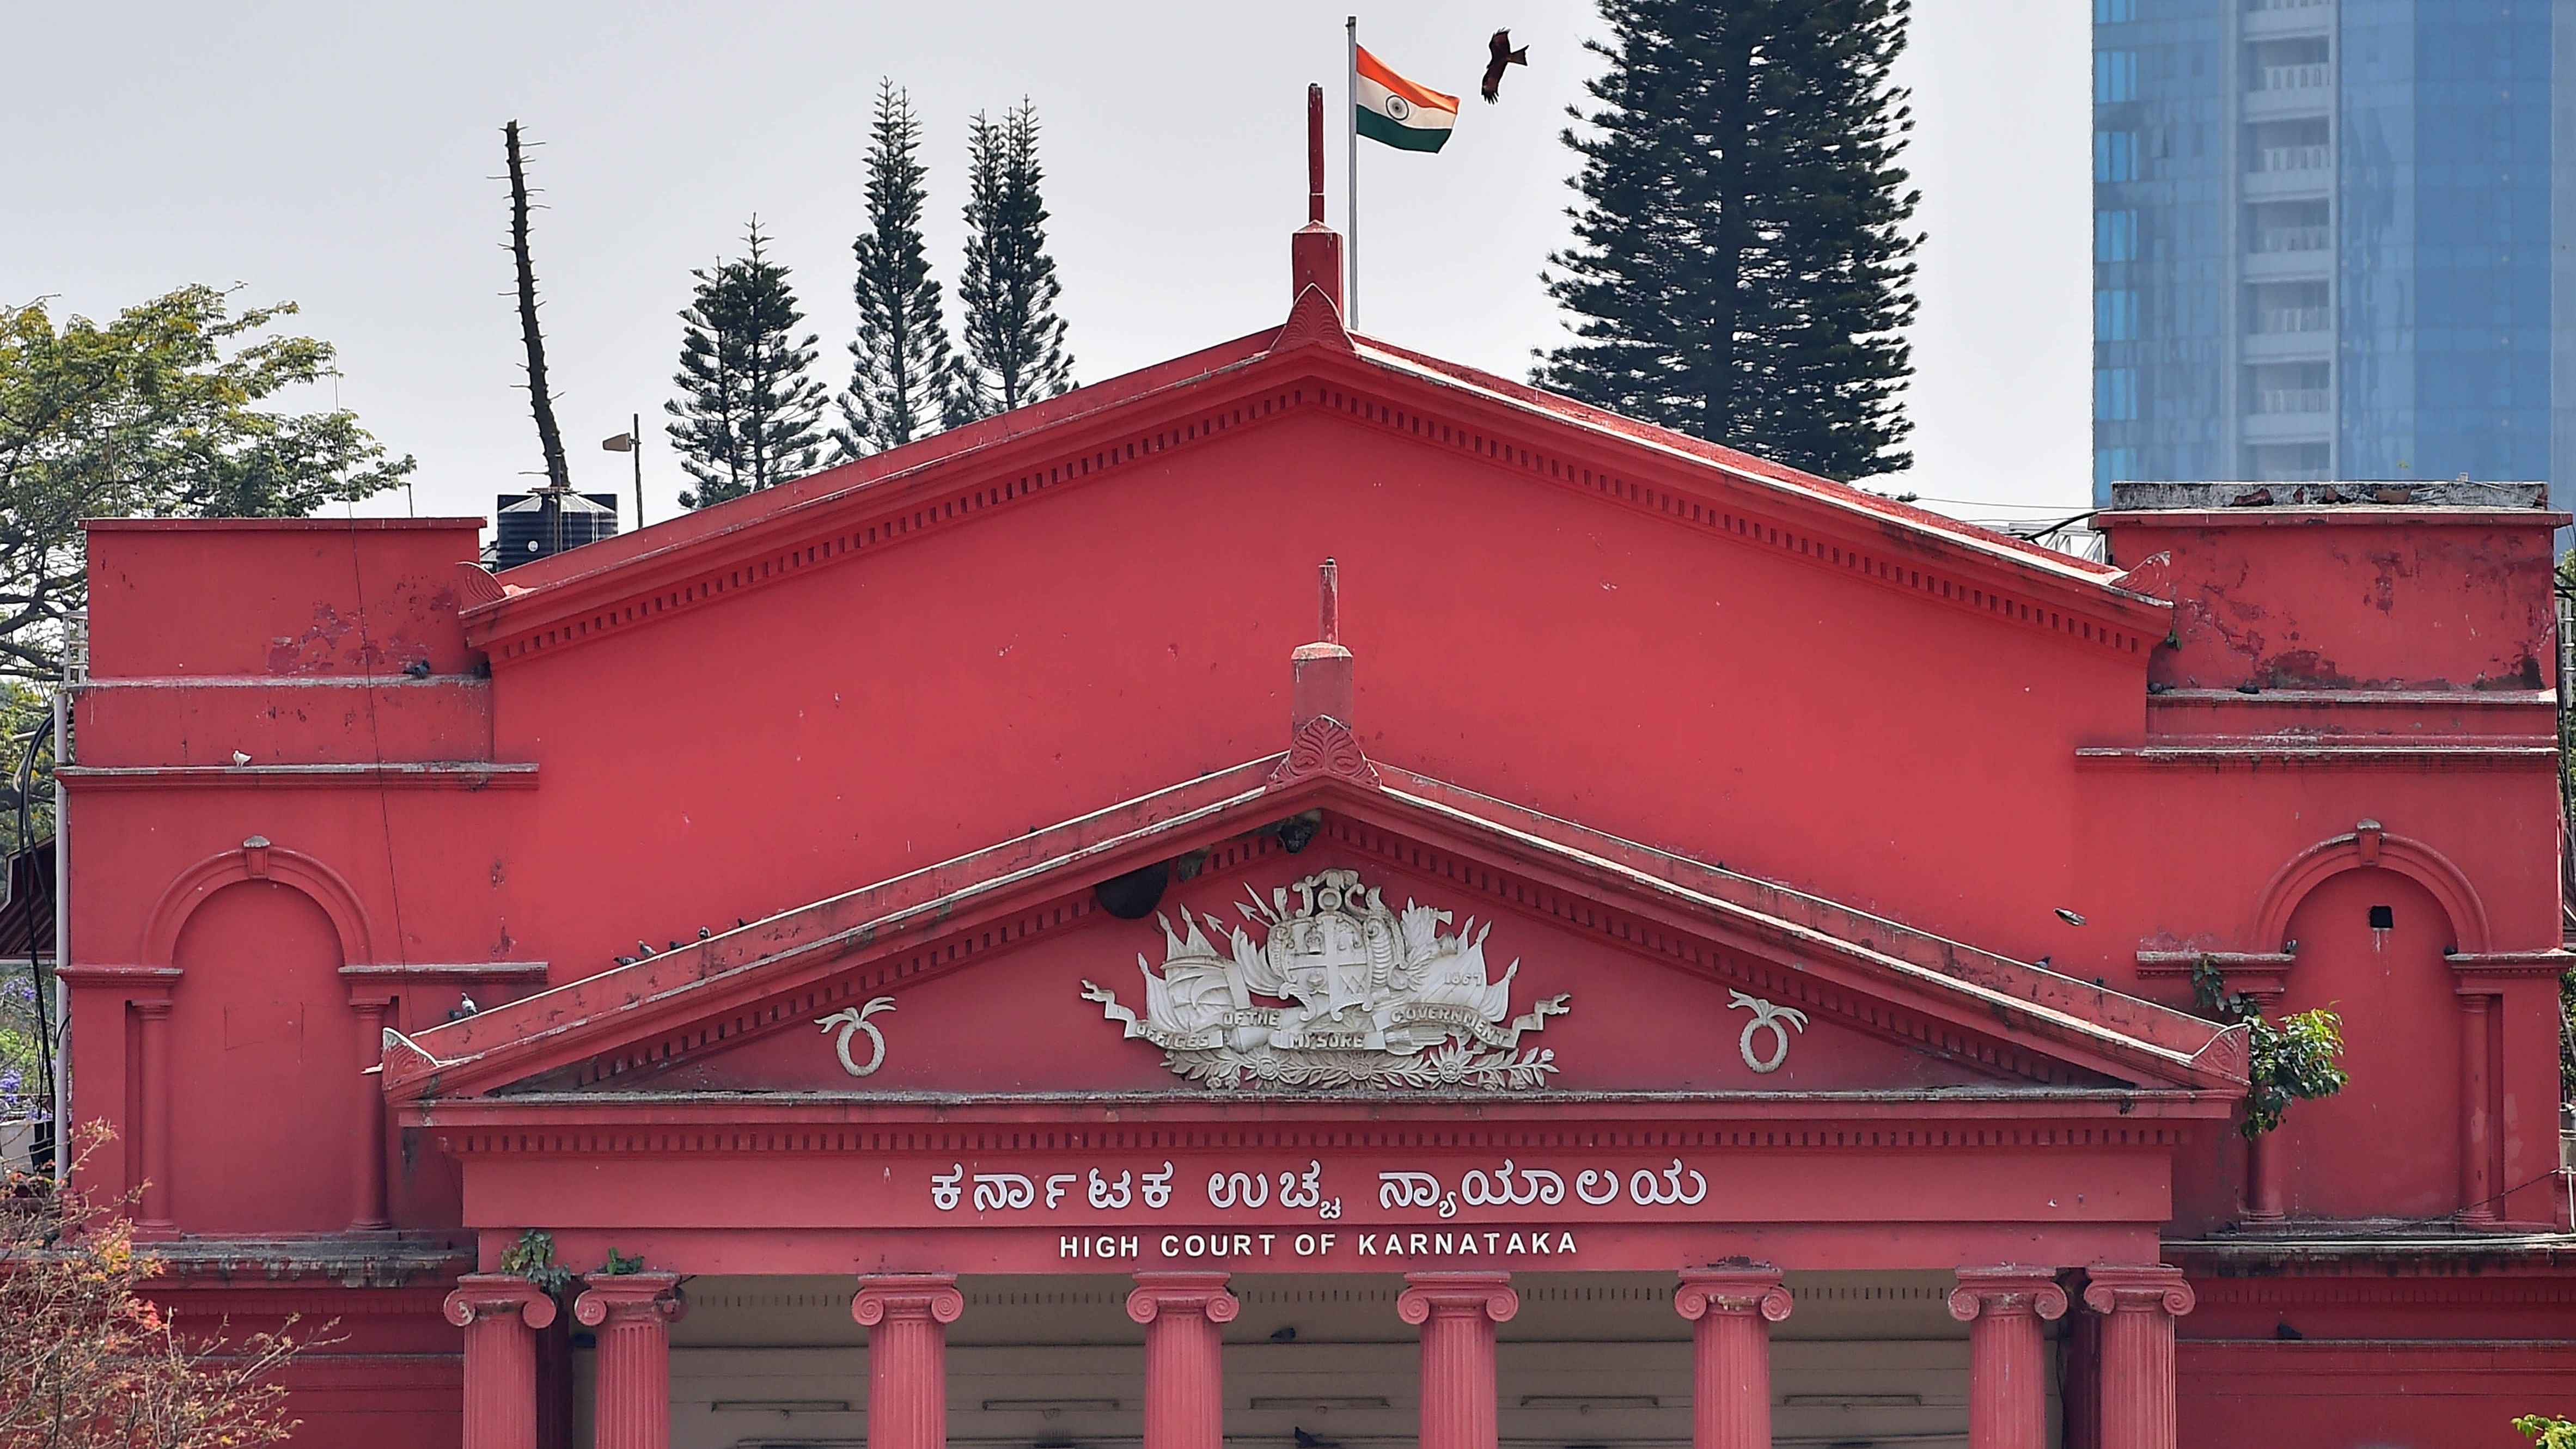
x: 1715, y: 694
x: 1727, y: 680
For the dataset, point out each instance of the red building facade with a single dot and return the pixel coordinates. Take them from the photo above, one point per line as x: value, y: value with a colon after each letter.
x: 1703, y: 950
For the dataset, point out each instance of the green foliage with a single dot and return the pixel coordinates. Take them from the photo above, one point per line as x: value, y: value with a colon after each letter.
x: 1742, y: 269
x: 2295, y: 1059
x: 24, y: 714
x: 2547, y: 1431
x: 904, y: 383
x: 619, y: 1265
x: 750, y: 417
x: 2566, y: 590
x: 1014, y: 340
x: 157, y: 414
x: 533, y: 1258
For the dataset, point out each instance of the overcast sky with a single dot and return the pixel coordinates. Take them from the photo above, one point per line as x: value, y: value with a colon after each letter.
x: 344, y: 156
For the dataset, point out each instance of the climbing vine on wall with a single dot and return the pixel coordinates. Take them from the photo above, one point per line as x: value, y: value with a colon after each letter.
x: 2298, y: 1058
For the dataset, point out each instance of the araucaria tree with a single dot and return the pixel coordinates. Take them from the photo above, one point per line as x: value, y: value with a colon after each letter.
x: 749, y: 416
x: 1743, y: 269
x: 1014, y: 339
x: 904, y: 381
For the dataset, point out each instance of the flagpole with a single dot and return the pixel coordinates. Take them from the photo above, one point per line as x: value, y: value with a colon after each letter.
x: 1351, y: 211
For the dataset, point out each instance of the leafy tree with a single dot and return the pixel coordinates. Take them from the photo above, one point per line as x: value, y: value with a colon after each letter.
x: 1742, y: 271
x: 751, y: 417
x: 88, y: 1361
x: 904, y: 382
x: 2547, y: 1431
x: 1014, y: 340
x: 2298, y: 1058
x: 156, y: 414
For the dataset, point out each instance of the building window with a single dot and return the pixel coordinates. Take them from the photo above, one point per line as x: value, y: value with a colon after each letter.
x: 2114, y: 465
x: 2115, y: 394
x: 2115, y: 76
x: 2115, y: 316
x: 2115, y: 155
x: 2115, y: 236
x: 2114, y: 12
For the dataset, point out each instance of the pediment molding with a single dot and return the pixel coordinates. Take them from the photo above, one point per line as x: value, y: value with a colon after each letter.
x: 1870, y: 1016
x: 1990, y: 1015
x: 1953, y: 568
x: 1854, y: 1122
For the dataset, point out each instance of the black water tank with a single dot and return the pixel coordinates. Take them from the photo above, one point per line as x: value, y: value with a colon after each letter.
x: 543, y: 523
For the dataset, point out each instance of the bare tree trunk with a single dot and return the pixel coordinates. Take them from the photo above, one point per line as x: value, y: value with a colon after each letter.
x: 550, y: 438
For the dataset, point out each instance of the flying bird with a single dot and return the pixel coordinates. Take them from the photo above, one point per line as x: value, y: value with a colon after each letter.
x: 1500, y: 50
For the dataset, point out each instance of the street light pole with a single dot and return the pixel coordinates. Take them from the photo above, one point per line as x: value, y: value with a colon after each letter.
x: 632, y: 441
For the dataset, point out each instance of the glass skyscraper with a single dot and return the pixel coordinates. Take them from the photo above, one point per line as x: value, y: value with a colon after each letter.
x: 2333, y: 239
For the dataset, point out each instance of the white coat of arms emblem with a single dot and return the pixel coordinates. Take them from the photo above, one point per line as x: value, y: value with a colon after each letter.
x: 1337, y: 991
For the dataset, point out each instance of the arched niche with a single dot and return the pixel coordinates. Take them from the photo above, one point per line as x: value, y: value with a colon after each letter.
x: 266, y: 1096
x: 257, y: 859
x: 2369, y: 846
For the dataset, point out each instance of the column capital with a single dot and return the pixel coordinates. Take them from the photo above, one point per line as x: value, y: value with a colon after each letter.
x: 1200, y: 1293
x: 1457, y: 1295
x: 487, y: 1296
x: 1732, y: 1288
x: 2110, y: 1288
x: 1992, y: 1292
x: 882, y: 1296
x: 629, y: 1296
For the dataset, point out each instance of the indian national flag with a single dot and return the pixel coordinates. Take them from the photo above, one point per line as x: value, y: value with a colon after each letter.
x: 1403, y: 115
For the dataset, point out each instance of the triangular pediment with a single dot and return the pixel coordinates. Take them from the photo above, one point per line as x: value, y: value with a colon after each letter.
x: 1164, y: 417
x: 1419, y: 939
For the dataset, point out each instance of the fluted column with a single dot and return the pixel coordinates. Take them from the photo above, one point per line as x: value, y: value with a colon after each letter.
x: 2007, y: 1353
x: 500, y: 1314
x: 152, y: 1125
x: 367, y: 1194
x: 632, y: 1396
x: 1731, y: 1311
x: 907, y: 1317
x: 1457, y: 1313
x: 2139, y: 1306
x: 1184, y: 1362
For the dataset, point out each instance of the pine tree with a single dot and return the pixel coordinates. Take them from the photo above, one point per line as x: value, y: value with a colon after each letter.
x: 1742, y: 270
x: 751, y: 418
x: 1014, y: 340
x: 904, y: 382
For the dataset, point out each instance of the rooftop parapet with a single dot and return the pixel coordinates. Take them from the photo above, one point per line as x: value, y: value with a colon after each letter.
x: 2382, y: 493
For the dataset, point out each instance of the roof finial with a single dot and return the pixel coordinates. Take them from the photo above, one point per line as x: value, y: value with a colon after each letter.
x: 1319, y: 674
x: 1314, y: 155
x: 1315, y: 250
